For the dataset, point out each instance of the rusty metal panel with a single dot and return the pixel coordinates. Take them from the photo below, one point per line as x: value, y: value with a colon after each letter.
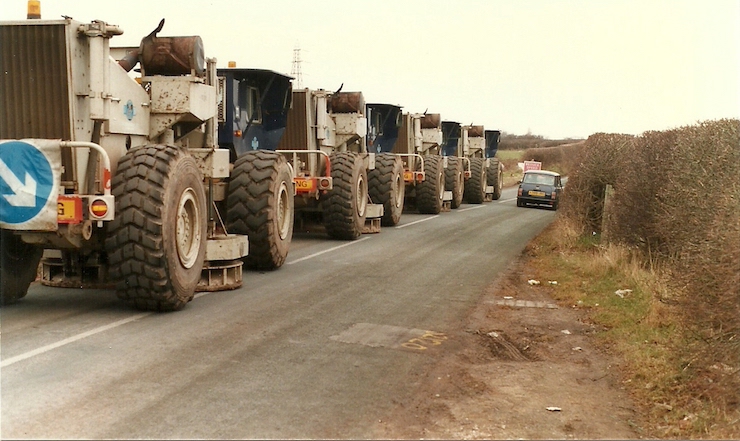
x: 404, y: 143
x: 347, y: 102
x: 431, y: 121
x: 173, y: 55
x: 34, y: 89
x: 297, y: 132
x: 475, y: 131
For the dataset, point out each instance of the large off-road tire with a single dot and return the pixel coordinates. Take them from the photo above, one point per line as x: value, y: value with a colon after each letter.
x: 344, y: 207
x: 430, y: 191
x: 495, y: 178
x: 19, y: 262
x: 156, y: 244
x: 386, y: 187
x: 475, y: 187
x: 455, y: 180
x: 260, y: 205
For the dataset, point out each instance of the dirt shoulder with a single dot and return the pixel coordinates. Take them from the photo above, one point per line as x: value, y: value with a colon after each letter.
x: 522, y: 367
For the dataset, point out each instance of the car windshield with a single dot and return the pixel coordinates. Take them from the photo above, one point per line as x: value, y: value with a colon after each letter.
x: 536, y: 178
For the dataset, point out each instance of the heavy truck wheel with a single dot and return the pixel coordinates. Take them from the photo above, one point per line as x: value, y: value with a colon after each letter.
x: 345, y: 206
x: 386, y: 187
x: 454, y: 180
x: 430, y: 191
x: 260, y: 205
x: 495, y: 178
x: 156, y: 244
x: 475, y: 187
x: 18, y: 264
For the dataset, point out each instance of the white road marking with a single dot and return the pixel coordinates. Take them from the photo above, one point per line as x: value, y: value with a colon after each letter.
x: 416, y: 222
x: 470, y: 208
x: 506, y: 200
x: 12, y: 360
x: 311, y: 256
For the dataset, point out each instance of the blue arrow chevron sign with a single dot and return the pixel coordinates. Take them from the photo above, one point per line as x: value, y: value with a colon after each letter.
x: 28, y: 184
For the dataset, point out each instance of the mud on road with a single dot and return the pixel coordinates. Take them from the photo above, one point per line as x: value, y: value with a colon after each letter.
x: 522, y: 367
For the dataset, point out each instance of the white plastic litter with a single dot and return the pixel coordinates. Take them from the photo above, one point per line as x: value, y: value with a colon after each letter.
x: 553, y: 282
x: 554, y: 409
x: 533, y: 282
x: 565, y: 331
x: 622, y: 292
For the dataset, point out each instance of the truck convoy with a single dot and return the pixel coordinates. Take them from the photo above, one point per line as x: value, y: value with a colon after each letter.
x: 168, y: 183
x: 475, y: 148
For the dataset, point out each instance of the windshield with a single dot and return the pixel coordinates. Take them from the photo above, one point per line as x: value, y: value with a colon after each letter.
x: 534, y: 178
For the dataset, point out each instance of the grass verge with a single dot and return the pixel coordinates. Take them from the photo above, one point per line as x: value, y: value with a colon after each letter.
x: 511, y: 160
x: 627, y: 299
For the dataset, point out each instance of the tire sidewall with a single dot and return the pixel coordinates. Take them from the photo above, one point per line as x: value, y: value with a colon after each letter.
x: 483, y: 181
x: 283, y: 188
x: 359, y: 191
x: 456, y: 182
x: 398, y: 191
x: 387, y: 187
x: 440, y: 183
x: 183, y: 175
x: 341, y: 205
x: 430, y: 192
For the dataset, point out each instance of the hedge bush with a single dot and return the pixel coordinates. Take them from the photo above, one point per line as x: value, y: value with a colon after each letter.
x: 674, y: 197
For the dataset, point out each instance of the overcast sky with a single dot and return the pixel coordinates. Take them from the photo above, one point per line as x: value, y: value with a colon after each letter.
x: 558, y: 69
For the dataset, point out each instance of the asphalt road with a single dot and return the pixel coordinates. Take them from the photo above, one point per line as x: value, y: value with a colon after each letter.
x: 320, y: 348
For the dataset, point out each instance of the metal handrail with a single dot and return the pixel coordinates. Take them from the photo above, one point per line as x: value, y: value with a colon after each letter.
x: 421, y: 158
x: 319, y: 152
x: 103, y: 155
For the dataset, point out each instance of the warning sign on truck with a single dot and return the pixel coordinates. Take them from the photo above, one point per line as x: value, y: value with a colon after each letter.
x: 29, y: 184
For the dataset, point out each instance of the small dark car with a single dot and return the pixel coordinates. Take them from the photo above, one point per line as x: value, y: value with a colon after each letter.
x: 540, y: 187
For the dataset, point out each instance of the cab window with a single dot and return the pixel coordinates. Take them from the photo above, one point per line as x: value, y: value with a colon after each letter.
x: 249, y: 104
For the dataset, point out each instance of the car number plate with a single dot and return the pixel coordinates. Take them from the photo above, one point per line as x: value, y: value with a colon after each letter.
x: 69, y: 210
x: 304, y: 185
x: 538, y: 194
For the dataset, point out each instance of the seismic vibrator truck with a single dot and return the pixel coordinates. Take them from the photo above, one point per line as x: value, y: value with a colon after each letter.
x: 324, y: 142
x: 109, y: 179
x: 415, y: 139
x: 475, y: 148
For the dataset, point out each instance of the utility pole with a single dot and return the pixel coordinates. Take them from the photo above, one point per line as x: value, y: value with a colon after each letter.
x: 295, y: 71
